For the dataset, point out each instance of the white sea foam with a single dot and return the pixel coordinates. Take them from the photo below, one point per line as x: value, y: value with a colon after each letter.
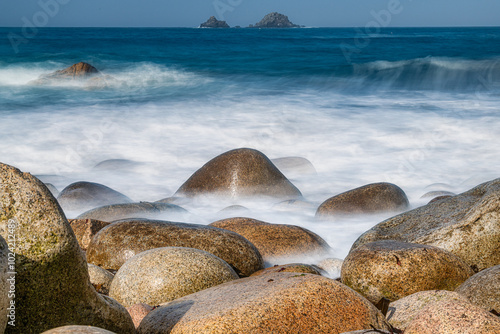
x: 414, y: 140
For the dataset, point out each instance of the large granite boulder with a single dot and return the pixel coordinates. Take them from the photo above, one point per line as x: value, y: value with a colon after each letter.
x: 144, y: 210
x: 372, y: 198
x: 83, y: 196
x: 275, y: 303
x: 453, y: 316
x: 468, y: 225
x: 483, y: 289
x: 402, y: 311
x: 161, y: 275
x: 393, y: 270
x: 7, y: 284
x: 275, y: 20
x: 120, y: 241
x: 239, y: 173
x: 52, y: 281
x: 212, y: 22
x: 276, y: 241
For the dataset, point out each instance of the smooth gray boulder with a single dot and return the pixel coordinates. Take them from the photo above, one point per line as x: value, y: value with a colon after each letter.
x: 52, y: 282
x: 467, y: 225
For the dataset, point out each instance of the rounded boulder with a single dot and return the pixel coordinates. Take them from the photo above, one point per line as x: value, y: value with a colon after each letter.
x: 392, y: 269
x: 483, y: 289
x: 161, y: 275
x: 120, y: 241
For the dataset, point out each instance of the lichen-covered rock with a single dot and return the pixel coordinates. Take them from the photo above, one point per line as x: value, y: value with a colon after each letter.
x: 393, y: 270
x: 144, y: 210
x: 161, y: 275
x: 401, y: 312
x: 372, y: 198
x: 78, y: 330
x: 275, y: 303
x: 120, y: 241
x: 300, y: 268
x: 275, y: 241
x: 468, y: 225
x: 138, y: 312
x: 85, y: 229
x: 453, y: 316
x: 483, y: 289
x: 239, y: 173
x: 100, y: 278
x: 83, y: 196
x: 6, y: 283
x: 52, y: 281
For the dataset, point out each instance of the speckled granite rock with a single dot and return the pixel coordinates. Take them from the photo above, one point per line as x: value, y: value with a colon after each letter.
x: 483, y: 289
x: 83, y: 196
x: 276, y: 303
x: 118, y: 242
x: 332, y: 266
x: 161, y: 275
x: 239, y: 173
x: 372, y: 198
x: 78, y: 330
x: 394, y: 269
x: 138, y: 312
x: 100, y: 278
x: 275, y: 241
x: 51, y: 269
x: 453, y: 316
x: 300, y: 268
x: 85, y: 229
x: 402, y: 311
x: 468, y: 225
x: 144, y: 210
x: 5, y: 282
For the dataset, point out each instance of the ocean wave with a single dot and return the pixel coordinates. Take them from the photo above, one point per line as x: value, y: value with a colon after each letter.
x: 430, y: 73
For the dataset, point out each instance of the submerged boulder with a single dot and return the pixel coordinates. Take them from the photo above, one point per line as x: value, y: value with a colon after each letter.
x: 144, y: 210
x: 161, y: 275
x: 212, y: 22
x: 52, y: 281
x: 120, y: 241
x: 77, y: 71
x: 276, y: 241
x: 392, y: 269
x: 372, y: 198
x: 275, y: 303
x: 467, y: 225
x: 239, y: 173
x: 83, y: 196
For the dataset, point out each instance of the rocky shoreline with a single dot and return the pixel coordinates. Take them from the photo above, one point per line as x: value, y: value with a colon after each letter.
x: 121, y: 267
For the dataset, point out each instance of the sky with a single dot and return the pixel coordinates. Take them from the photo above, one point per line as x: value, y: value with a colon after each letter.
x: 190, y: 13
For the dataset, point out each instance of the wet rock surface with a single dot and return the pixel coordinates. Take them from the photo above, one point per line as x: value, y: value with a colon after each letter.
x: 276, y: 303
x: 120, y: 241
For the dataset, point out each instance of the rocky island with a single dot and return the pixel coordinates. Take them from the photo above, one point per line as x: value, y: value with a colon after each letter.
x: 275, y: 20
x: 212, y: 22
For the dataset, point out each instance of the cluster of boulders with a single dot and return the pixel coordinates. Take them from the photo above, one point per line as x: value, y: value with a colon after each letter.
x: 271, y: 20
x: 121, y: 267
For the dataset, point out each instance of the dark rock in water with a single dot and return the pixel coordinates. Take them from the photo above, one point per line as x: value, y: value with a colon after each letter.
x: 83, y: 196
x: 239, y: 173
x: 161, y: 275
x: 276, y: 241
x: 120, y: 241
x: 467, y: 225
x: 392, y: 269
x: 52, y: 280
x: 372, y: 198
x: 144, y: 210
x: 74, y: 72
x: 274, y: 303
x: 212, y: 22
x: 275, y: 20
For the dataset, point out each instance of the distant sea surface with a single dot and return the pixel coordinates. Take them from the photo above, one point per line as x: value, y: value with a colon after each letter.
x: 418, y: 107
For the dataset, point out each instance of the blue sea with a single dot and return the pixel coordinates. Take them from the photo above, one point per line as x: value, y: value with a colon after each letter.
x: 418, y: 107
